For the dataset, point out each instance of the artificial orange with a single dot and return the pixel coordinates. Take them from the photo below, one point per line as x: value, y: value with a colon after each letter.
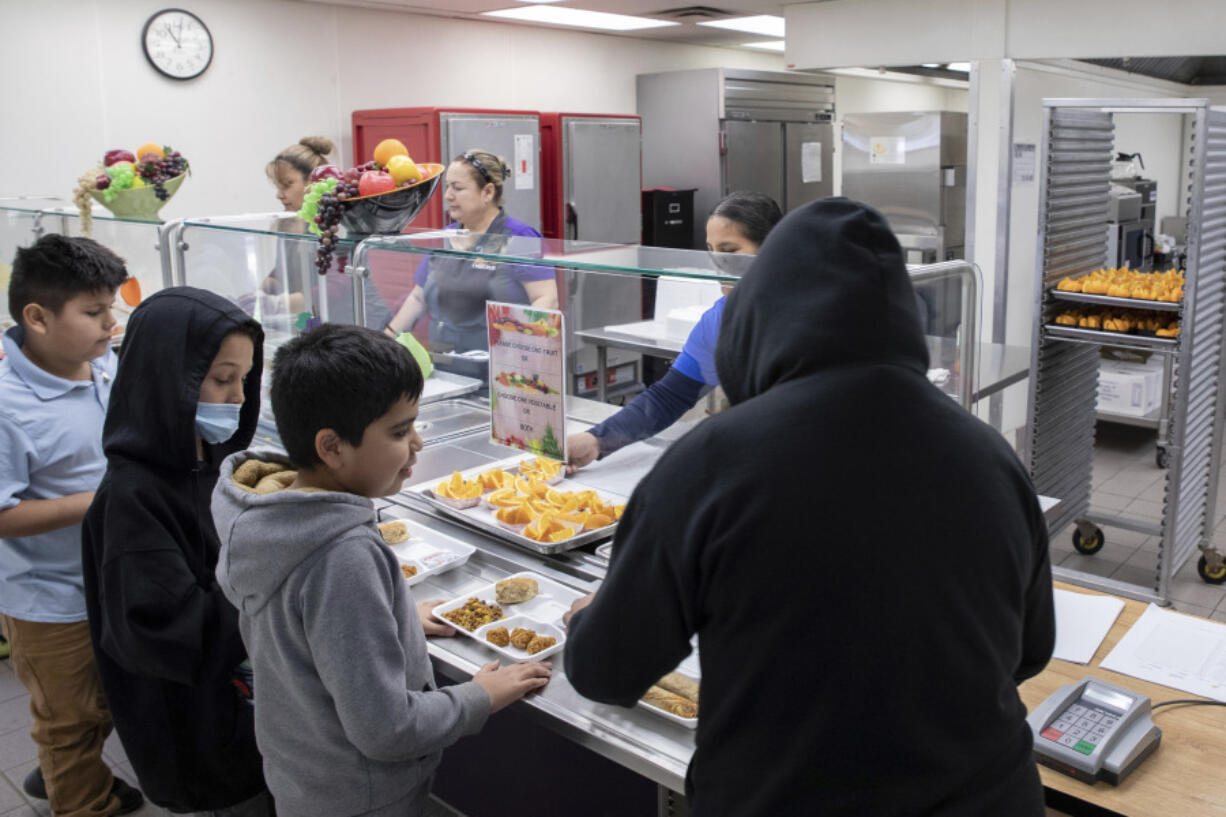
x: 385, y: 150
x: 150, y: 147
x: 129, y: 290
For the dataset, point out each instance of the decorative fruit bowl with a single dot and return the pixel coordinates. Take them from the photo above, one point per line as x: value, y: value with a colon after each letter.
x: 131, y: 185
x: 379, y: 196
x: 391, y: 212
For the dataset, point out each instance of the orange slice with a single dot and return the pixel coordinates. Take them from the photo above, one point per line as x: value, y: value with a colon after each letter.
x: 518, y: 515
x: 505, y: 498
x: 559, y: 535
x: 597, y: 520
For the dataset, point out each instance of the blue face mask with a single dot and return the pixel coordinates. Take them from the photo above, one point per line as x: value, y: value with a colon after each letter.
x: 217, y: 422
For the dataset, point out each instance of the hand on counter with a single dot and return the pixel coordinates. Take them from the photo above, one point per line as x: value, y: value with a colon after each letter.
x: 583, y: 448
x: 506, y: 685
x: 577, y: 605
x: 428, y: 623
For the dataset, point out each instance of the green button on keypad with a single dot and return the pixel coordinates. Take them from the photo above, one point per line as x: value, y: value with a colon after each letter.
x: 1084, y: 747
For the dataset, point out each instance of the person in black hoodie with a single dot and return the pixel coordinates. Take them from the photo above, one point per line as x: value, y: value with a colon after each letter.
x: 186, y: 395
x: 864, y: 562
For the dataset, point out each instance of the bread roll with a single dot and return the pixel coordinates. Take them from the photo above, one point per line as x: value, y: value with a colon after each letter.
x: 516, y: 591
x: 394, y: 532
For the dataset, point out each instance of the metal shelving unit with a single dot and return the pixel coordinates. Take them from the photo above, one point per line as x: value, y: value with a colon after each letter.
x: 1078, y: 143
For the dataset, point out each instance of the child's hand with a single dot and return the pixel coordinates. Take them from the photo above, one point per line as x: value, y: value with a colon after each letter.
x: 577, y: 605
x: 428, y: 622
x: 506, y: 685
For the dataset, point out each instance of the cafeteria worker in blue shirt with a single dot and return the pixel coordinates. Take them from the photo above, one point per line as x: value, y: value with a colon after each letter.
x: 453, y: 290
x: 738, y: 224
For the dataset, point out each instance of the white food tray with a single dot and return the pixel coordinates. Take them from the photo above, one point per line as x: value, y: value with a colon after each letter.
x: 426, y: 549
x: 542, y: 613
x: 689, y: 668
x: 482, y: 517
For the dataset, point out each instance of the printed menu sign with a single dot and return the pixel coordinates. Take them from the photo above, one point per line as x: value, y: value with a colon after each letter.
x: 527, y: 378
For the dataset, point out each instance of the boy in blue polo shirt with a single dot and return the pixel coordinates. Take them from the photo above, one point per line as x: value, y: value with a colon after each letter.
x: 54, y: 383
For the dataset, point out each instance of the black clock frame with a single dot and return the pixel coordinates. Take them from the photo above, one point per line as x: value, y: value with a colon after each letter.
x: 145, y: 48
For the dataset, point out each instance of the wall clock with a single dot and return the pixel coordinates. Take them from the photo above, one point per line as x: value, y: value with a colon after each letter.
x: 177, y: 43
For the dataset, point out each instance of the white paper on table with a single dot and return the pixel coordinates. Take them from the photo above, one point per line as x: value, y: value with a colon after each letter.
x: 1174, y: 650
x: 1082, y: 622
x: 622, y: 470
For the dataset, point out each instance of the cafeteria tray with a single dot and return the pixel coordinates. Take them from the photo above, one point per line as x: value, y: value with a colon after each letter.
x: 542, y: 613
x: 1111, y: 300
x: 426, y: 549
x: 1104, y: 337
x: 482, y: 518
x: 605, y: 551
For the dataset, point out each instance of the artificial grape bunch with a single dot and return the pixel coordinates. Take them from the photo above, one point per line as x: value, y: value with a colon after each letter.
x: 328, y: 220
x: 159, y: 170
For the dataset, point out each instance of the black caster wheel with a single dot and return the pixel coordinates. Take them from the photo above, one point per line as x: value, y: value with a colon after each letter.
x: 1162, y: 457
x: 1210, y: 576
x: 1089, y: 546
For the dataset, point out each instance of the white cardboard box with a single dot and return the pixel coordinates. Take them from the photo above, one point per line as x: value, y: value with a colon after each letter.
x: 1133, y: 389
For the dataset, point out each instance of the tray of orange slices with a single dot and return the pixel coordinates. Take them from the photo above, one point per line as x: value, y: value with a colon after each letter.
x: 525, y: 501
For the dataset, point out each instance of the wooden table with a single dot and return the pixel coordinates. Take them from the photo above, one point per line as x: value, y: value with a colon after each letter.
x: 1185, y: 777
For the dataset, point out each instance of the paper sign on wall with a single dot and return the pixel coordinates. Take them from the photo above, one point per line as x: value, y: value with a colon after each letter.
x: 1024, y: 162
x: 887, y: 150
x: 525, y: 161
x: 527, y: 378
x: 810, y: 162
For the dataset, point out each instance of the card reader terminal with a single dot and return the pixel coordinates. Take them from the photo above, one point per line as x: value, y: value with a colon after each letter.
x: 1093, y: 730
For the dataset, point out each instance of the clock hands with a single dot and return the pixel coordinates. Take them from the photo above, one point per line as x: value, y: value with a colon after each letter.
x: 171, y: 34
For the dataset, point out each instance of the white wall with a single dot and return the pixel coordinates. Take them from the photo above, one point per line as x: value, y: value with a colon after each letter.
x: 75, y: 71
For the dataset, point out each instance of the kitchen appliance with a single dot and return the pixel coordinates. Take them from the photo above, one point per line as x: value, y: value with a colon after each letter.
x: 717, y: 130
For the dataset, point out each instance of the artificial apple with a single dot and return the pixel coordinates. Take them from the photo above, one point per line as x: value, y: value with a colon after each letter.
x: 118, y: 155
x: 102, y: 182
x: 325, y: 172
x: 374, y: 182
x: 403, y: 169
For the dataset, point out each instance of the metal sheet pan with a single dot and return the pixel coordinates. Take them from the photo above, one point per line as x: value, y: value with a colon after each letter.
x: 1109, y: 300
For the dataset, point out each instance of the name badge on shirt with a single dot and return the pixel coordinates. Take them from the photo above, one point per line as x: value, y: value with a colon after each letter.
x: 484, y: 265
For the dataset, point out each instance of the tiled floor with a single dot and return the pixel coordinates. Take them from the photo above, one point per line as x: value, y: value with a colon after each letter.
x: 1128, y: 483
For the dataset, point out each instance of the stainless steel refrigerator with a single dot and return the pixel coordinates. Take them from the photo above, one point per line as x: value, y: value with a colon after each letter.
x: 724, y: 129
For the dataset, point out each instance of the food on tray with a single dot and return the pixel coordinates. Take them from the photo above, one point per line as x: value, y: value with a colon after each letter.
x: 498, y: 637
x: 1162, y: 324
x: 459, y: 493
x: 475, y: 613
x: 514, y: 516
x: 670, y: 702
x: 541, y: 642
x: 516, y: 590
x: 408, y: 570
x: 521, y: 637
x: 1128, y: 283
x: 394, y: 532
x: 496, y: 479
x: 547, y: 529
x: 542, y: 468
x: 679, y: 684
x: 505, y: 498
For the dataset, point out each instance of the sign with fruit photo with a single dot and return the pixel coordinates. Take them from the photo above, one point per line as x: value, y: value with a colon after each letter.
x: 527, y: 378
x: 380, y: 196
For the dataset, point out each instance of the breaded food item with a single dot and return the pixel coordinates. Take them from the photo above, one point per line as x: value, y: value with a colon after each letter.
x: 663, y: 699
x: 521, y: 637
x: 516, y: 590
x: 498, y: 637
x: 394, y: 532
x: 541, y: 642
x: 475, y: 613
x: 408, y: 570
x: 679, y: 684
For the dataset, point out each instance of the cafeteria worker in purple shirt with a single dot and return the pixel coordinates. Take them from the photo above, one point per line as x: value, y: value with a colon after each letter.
x: 453, y: 290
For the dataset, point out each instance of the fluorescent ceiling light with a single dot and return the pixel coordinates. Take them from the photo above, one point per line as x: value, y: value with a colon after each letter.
x: 577, y: 18
x: 766, y: 45
x: 765, y: 24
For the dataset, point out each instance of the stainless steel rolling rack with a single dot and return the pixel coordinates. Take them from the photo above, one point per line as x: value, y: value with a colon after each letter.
x: 1078, y: 140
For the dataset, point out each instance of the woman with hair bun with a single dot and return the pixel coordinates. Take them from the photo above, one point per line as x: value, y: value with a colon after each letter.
x: 291, y: 169
x: 453, y: 290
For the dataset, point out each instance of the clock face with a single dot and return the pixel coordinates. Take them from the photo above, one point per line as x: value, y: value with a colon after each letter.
x: 177, y: 43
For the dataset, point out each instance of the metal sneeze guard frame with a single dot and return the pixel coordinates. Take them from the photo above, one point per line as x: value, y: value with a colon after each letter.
x: 1078, y: 146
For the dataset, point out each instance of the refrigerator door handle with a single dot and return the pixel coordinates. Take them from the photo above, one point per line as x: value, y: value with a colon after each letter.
x: 572, y: 221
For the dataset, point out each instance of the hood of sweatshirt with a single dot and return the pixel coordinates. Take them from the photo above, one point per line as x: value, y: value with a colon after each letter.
x: 174, y: 335
x: 267, y: 531
x: 829, y: 288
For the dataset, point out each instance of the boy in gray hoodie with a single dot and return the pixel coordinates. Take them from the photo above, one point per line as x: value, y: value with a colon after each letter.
x: 347, y: 715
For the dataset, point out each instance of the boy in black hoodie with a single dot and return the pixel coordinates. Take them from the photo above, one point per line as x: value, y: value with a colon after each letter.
x: 864, y: 562
x: 187, y: 394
